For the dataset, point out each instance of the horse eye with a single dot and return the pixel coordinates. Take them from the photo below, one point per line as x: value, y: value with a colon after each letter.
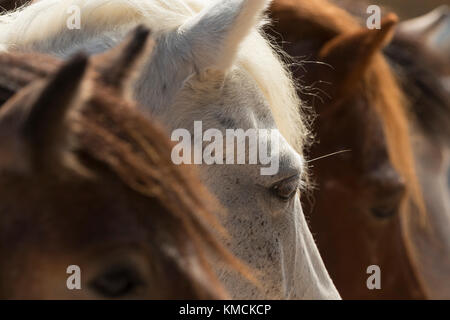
x: 286, y: 188
x: 388, y: 189
x: 389, y: 206
x: 385, y: 211
x: 117, y: 282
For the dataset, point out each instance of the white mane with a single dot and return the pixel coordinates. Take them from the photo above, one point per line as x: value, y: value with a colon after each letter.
x: 39, y: 25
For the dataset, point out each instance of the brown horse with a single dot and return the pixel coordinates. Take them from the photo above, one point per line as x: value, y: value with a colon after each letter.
x: 422, y: 68
x: 367, y: 200
x: 87, y: 180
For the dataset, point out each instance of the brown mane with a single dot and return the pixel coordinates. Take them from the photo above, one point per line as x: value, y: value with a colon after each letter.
x: 112, y: 133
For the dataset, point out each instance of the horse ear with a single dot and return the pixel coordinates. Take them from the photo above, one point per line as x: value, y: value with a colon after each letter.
x: 207, y: 41
x: 117, y: 68
x: 351, y: 54
x: 32, y: 124
x: 214, y: 35
x: 44, y: 127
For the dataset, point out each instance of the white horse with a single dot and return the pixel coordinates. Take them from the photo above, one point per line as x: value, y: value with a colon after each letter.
x: 211, y: 64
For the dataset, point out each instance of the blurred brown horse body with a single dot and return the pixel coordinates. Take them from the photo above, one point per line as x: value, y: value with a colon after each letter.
x: 368, y: 208
x: 87, y: 180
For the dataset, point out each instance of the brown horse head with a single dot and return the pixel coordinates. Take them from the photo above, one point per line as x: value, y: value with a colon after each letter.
x: 87, y: 180
x: 362, y: 195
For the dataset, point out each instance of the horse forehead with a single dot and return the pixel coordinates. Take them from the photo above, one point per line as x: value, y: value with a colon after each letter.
x: 235, y: 102
x: 241, y: 94
x: 56, y: 221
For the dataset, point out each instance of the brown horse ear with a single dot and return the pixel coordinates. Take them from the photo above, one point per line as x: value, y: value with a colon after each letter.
x: 32, y: 121
x: 350, y: 55
x: 44, y: 127
x: 117, y: 68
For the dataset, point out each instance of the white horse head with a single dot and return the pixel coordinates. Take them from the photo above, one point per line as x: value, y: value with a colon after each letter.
x: 211, y: 64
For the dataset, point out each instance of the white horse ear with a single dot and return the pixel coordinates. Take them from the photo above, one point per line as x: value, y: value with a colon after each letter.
x: 214, y: 35
x: 208, y: 41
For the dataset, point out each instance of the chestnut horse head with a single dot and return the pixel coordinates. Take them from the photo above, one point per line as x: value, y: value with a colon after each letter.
x: 365, y: 197
x: 87, y: 180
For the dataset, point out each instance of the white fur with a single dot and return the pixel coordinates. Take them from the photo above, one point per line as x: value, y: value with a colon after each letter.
x: 212, y: 64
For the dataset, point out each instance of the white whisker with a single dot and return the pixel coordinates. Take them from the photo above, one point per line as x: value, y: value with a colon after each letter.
x: 329, y: 155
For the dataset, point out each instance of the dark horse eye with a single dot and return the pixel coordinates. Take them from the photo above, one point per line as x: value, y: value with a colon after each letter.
x: 117, y: 282
x: 385, y: 211
x: 286, y: 188
x: 388, y: 204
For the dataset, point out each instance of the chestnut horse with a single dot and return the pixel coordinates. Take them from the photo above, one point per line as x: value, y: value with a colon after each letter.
x: 419, y: 57
x: 87, y: 180
x: 367, y: 200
